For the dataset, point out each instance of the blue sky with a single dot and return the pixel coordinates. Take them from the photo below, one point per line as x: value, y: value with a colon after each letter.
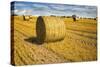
x: 45, y: 9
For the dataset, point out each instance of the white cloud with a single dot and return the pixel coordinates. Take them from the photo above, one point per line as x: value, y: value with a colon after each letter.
x: 40, y: 6
x: 22, y: 12
x: 58, y: 7
x: 19, y: 4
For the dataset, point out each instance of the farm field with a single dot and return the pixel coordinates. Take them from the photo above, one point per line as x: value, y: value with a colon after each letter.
x: 80, y: 43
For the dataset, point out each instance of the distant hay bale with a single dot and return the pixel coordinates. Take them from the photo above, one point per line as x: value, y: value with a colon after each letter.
x: 50, y: 29
x: 26, y: 18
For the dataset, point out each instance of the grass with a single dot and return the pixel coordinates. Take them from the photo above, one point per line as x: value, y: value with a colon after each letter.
x: 80, y: 43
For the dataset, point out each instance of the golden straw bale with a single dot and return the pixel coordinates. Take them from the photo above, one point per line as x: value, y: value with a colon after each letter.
x: 50, y: 29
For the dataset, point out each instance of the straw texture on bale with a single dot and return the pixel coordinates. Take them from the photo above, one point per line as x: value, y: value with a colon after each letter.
x: 50, y: 29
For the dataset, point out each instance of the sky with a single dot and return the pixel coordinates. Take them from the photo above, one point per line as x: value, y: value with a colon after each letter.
x: 46, y: 9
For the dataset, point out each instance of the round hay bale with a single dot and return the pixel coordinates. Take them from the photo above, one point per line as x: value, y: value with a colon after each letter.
x: 50, y: 29
x: 26, y: 18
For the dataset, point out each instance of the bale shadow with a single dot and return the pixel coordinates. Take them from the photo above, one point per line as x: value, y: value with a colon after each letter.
x: 33, y: 40
x: 40, y: 32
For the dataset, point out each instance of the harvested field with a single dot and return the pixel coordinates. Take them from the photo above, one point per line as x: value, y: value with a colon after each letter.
x: 79, y: 44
